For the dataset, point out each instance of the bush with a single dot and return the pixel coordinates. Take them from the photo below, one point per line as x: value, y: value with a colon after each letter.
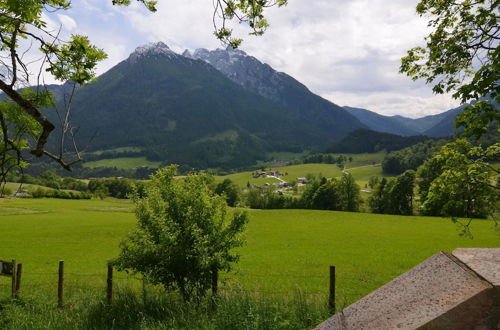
x: 183, y: 236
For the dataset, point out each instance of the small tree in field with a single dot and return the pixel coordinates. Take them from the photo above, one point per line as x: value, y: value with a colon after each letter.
x: 184, y: 234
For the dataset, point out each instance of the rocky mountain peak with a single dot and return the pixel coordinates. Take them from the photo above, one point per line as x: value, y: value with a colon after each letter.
x: 152, y: 49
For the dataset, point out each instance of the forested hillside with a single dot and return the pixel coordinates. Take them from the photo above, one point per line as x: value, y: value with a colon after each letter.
x: 363, y: 140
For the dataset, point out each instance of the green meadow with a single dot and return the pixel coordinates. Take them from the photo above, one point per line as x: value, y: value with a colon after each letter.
x: 125, y: 163
x: 361, y: 168
x: 286, y: 250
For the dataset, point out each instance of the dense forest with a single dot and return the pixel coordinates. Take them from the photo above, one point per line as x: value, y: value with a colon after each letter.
x: 364, y: 140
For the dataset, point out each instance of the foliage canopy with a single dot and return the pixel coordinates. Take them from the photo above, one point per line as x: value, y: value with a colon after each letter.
x: 461, y: 55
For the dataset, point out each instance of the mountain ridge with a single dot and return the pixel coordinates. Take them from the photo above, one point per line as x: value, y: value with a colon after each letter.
x: 183, y: 110
x: 220, y: 108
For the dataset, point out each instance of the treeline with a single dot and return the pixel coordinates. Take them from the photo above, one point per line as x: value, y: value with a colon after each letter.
x: 50, y: 179
x: 114, y: 187
x: 36, y: 168
x: 341, y: 194
x: 368, y: 141
x: 340, y: 160
x: 411, y: 158
x: 54, y: 193
x: 99, y: 188
x: 458, y: 182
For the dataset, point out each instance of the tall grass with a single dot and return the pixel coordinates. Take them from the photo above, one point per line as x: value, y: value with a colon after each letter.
x: 158, y: 309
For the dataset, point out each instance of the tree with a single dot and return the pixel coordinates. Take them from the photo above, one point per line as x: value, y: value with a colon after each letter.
x: 348, y: 192
x: 401, y: 194
x: 377, y: 199
x: 23, y: 28
x: 326, y: 196
x: 313, y: 184
x: 184, y: 235
x: 394, y: 196
x: 464, y: 182
x: 461, y: 55
x: 229, y: 190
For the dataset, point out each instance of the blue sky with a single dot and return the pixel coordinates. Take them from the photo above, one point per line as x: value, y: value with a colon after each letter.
x: 346, y: 51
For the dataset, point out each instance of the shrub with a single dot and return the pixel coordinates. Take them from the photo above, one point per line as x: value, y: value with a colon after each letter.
x: 183, y: 236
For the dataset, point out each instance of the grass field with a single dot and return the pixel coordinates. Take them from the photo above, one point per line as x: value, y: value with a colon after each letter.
x: 122, y: 163
x: 294, y: 172
x: 117, y: 150
x: 365, y: 161
x: 285, y: 250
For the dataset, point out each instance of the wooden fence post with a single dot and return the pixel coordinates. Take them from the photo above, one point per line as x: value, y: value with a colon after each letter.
x: 109, y: 291
x: 19, y: 274
x: 331, y: 298
x: 215, y: 282
x: 13, y: 292
x: 60, y: 285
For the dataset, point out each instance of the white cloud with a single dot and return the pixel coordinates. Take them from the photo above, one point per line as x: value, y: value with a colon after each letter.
x: 67, y: 22
x: 346, y: 51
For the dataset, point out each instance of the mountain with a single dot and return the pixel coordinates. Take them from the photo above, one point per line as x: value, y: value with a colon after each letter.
x: 364, y: 140
x: 422, y: 124
x: 281, y: 88
x: 439, y: 125
x: 434, y: 125
x: 446, y: 125
x: 182, y: 110
x: 380, y: 123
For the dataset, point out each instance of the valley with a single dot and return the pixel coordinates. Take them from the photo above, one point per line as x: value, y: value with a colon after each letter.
x: 285, y: 250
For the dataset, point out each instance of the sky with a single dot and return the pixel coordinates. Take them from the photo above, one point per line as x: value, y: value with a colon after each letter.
x: 347, y: 51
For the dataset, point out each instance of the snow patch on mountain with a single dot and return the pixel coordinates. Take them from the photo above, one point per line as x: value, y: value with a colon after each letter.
x: 152, y: 49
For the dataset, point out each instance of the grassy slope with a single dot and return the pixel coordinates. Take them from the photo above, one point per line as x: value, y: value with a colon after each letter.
x: 122, y: 163
x: 285, y: 249
x: 328, y: 170
x: 294, y: 172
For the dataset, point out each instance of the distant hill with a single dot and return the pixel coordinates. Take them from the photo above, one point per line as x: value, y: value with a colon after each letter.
x: 446, y: 125
x: 422, y: 124
x: 380, y: 123
x: 439, y: 125
x: 363, y: 140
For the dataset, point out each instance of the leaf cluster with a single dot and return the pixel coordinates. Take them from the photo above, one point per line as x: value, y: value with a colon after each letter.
x: 250, y: 12
x: 460, y: 182
x: 461, y: 55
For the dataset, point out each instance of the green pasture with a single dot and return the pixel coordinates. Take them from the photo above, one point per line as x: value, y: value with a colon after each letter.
x: 365, y: 159
x: 286, y: 250
x: 293, y: 172
x: 125, y: 163
x: 118, y: 150
x: 361, y: 167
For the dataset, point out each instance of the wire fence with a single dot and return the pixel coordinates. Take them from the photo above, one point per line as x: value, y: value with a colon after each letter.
x: 288, y: 283
x: 239, y: 282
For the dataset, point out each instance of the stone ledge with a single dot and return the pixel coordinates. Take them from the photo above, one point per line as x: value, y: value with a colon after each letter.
x: 442, y: 292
